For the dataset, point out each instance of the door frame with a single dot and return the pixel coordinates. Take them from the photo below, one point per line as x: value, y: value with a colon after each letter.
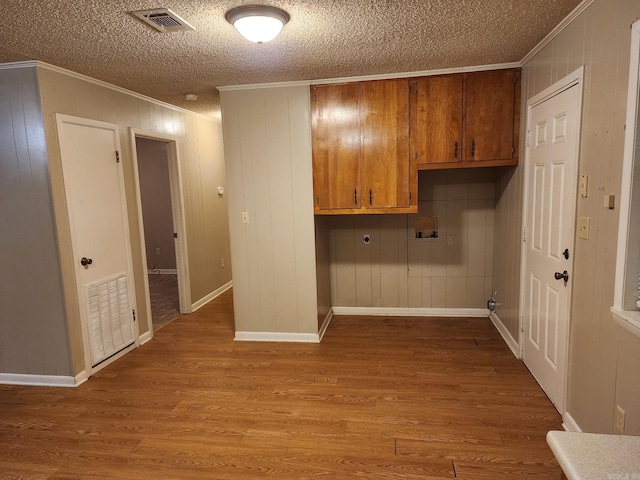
x: 89, y: 369
x: 177, y: 213
x: 574, y: 79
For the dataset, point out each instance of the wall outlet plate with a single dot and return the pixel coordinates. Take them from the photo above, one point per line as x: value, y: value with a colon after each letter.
x: 583, y: 228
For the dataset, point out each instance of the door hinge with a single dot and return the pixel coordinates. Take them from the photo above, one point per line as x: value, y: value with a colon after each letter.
x: 415, y: 155
x: 521, y: 324
x: 175, y: 234
x: 524, y: 234
x: 117, y: 156
x: 409, y: 195
x: 134, y: 315
x: 528, y: 137
x: 513, y: 150
x: 515, y: 78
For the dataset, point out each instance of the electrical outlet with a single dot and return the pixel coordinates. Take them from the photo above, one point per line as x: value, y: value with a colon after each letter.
x: 620, y: 414
x: 450, y: 240
x: 157, y: 250
x: 222, y: 262
x: 583, y: 228
x: 245, y: 217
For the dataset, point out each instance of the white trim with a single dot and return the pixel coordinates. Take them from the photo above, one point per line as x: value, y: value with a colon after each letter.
x: 569, y: 423
x: 82, y: 377
x: 506, y: 336
x: 146, y: 336
x: 412, y: 312
x: 177, y: 215
x: 162, y: 271
x: 277, y: 337
x: 556, y: 31
x: 626, y: 318
x: 384, y: 76
x: 325, y: 324
x: 38, y: 380
x: 95, y: 81
x: 207, y: 298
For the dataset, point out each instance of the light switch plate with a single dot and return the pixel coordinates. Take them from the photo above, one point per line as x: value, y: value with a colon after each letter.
x: 583, y: 228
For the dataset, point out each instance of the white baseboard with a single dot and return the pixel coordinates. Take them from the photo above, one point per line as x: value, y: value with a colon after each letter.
x: 277, y: 337
x: 325, y: 324
x: 38, y: 380
x: 569, y: 424
x: 145, y: 337
x: 163, y: 271
x: 81, y: 378
x: 206, y: 299
x: 412, y: 312
x: 509, y: 340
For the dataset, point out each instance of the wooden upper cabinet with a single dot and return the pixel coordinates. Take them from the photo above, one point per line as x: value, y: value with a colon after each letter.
x: 336, y: 146
x: 436, y: 119
x: 384, y: 113
x: 465, y: 120
x: 489, y: 112
x: 360, y: 142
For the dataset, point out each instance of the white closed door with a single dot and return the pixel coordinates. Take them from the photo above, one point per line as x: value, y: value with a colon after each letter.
x: 96, y: 204
x: 549, y: 240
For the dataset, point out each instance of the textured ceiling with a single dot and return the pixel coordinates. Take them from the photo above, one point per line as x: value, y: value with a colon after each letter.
x: 323, y: 39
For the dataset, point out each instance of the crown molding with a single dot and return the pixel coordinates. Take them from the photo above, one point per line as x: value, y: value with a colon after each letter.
x: 95, y: 81
x: 556, y: 31
x: 383, y: 76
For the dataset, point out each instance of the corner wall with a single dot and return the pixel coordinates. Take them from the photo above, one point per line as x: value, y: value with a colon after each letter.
x: 267, y: 142
x: 33, y: 326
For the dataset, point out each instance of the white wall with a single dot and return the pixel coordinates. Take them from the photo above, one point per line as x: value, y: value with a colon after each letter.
x: 267, y: 143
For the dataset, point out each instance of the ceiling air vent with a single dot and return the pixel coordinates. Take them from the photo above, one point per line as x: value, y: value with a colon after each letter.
x: 163, y: 20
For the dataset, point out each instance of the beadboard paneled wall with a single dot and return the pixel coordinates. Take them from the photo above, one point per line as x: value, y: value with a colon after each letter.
x: 267, y: 141
x: 33, y: 326
x: 202, y: 169
x: 398, y: 270
x: 604, y: 363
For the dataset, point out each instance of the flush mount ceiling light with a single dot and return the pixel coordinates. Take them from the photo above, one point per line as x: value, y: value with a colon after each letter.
x: 258, y: 23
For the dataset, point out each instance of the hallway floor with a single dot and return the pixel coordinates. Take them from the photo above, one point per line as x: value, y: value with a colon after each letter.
x: 165, y: 302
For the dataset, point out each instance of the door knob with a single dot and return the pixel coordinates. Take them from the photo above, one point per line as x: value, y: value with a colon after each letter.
x: 565, y: 254
x: 85, y: 261
x: 562, y: 276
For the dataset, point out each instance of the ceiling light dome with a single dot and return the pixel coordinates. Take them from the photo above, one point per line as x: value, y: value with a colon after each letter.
x: 258, y: 23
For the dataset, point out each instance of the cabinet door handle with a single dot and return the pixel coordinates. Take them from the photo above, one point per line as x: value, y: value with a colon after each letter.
x: 473, y: 148
x: 455, y: 149
x: 355, y: 196
x: 370, y: 197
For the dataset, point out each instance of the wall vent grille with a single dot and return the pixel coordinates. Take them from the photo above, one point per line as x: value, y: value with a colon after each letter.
x: 163, y: 20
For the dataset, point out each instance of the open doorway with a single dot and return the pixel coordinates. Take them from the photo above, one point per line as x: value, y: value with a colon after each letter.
x: 162, y: 227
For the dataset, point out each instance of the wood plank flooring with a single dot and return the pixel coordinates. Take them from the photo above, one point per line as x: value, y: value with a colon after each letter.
x: 378, y: 398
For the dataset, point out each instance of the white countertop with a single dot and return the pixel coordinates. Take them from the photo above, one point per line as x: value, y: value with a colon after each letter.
x: 593, y: 456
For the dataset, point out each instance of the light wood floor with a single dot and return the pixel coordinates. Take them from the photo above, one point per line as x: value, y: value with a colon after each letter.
x: 378, y: 398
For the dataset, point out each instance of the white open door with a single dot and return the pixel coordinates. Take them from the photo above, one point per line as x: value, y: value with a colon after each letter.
x: 550, y: 206
x: 96, y: 204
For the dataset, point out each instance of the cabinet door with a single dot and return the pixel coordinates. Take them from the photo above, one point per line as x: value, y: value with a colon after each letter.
x: 384, y: 113
x: 489, y: 111
x: 436, y: 119
x: 336, y: 146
